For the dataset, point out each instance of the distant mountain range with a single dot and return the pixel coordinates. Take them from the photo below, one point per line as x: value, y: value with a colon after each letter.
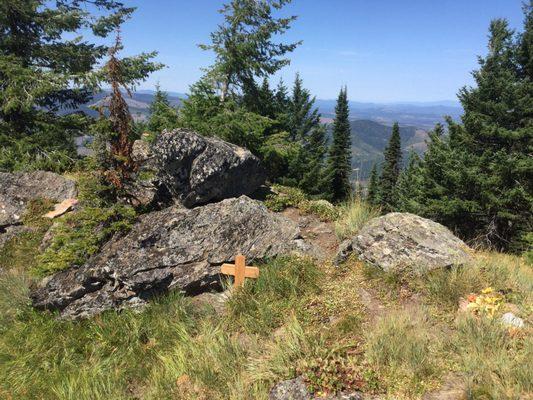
x: 371, y: 123
x: 419, y: 114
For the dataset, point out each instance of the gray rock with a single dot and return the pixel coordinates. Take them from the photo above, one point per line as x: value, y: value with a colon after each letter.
x: 198, y: 170
x: 509, y: 319
x: 146, y: 188
x: 295, y: 389
x: 173, y: 248
x: 403, y: 241
x: 16, y: 189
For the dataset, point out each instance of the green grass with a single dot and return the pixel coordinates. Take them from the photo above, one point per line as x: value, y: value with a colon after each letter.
x: 131, y: 355
x: 496, y: 365
x: 491, y: 361
x: 352, y: 216
x: 402, y: 349
x: 283, y: 287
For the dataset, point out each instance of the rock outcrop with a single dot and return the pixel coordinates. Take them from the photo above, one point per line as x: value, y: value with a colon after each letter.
x: 173, y: 248
x: 193, y: 170
x: 198, y: 170
x: 403, y: 241
x: 16, y: 189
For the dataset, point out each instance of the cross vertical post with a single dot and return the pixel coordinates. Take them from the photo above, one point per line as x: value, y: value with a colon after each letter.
x: 240, y: 269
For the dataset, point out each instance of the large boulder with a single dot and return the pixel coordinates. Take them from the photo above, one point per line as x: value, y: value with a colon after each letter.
x: 173, y: 248
x: 403, y: 241
x: 17, y: 189
x: 193, y: 169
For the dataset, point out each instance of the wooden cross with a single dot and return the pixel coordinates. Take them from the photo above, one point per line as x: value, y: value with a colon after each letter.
x: 240, y: 270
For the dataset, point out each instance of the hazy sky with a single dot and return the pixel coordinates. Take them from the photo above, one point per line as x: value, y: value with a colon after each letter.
x: 383, y: 50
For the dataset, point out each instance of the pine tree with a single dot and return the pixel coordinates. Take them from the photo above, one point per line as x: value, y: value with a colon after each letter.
x: 244, y: 47
x: 162, y: 114
x: 316, y: 149
x: 409, y: 186
x: 303, y: 115
x: 259, y: 99
x: 339, y: 159
x: 479, y: 179
x: 282, y: 106
x: 391, y: 170
x: 373, y: 192
x: 41, y: 71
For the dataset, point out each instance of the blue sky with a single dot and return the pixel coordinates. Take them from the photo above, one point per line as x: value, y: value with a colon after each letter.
x: 383, y: 50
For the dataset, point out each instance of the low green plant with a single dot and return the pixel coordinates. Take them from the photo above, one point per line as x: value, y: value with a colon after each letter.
x: 352, y: 216
x: 323, y: 209
x: 77, y: 236
x: 284, y: 197
x: 331, y: 373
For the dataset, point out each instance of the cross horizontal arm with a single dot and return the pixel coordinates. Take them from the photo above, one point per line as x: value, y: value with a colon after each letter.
x: 249, y: 272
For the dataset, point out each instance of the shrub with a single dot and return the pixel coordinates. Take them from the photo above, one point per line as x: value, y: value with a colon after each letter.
x: 323, y: 209
x: 352, y: 216
x: 284, y: 197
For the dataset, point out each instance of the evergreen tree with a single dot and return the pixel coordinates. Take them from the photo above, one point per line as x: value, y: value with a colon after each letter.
x: 316, y: 149
x: 244, y: 46
x: 303, y: 115
x: 479, y: 180
x: 391, y: 170
x: 162, y: 114
x: 259, y: 99
x: 339, y: 159
x: 373, y: 193
x: 409, y: 187
x: 282, y: 106
x: 281, y: 98
x: 41, y: 71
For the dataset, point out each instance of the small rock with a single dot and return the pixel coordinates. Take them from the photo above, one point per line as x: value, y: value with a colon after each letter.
x: 216, y: 301
x: 509, y: 319
x: 293, y: 389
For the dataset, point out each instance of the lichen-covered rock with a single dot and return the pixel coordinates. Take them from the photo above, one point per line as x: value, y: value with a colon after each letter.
x: 292, y: 389
x: 146, y: 188
x: 403, y: 241
x: 296, y: 389
x: 174, y: 248
x: 198, y: 170
x: 17, y: 189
